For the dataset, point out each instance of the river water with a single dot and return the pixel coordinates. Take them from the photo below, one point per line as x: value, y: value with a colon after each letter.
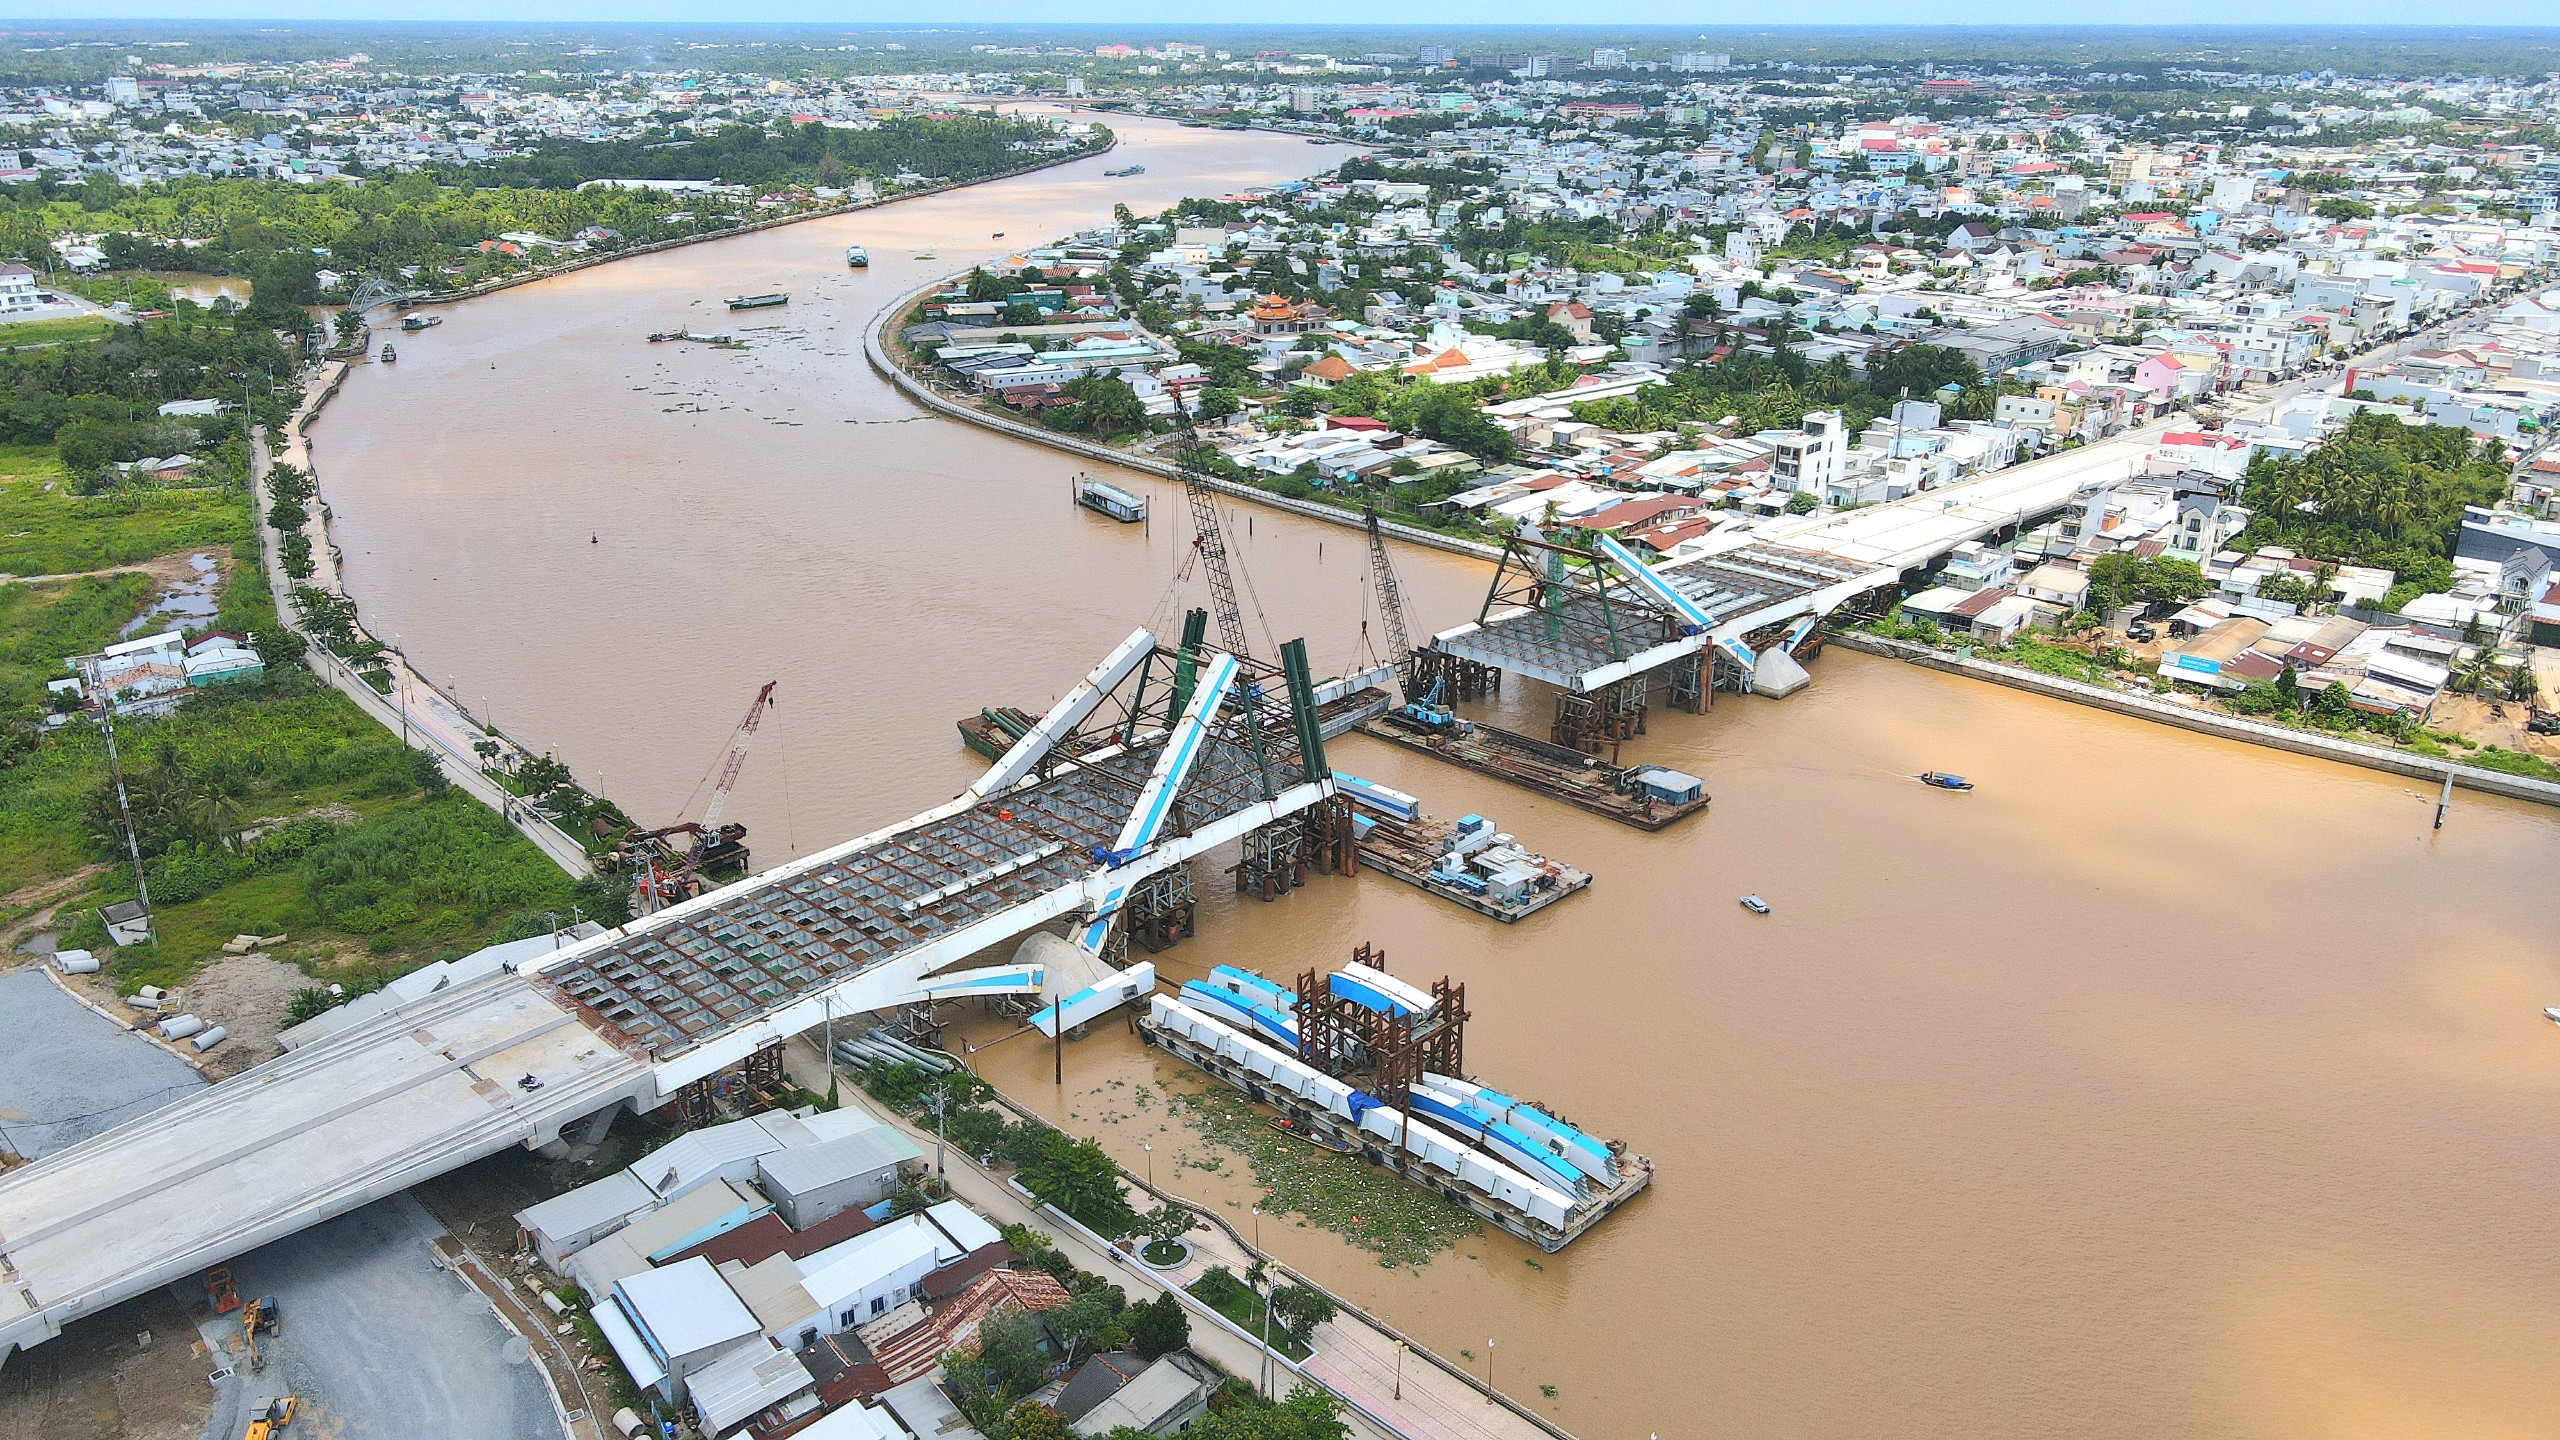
x: 2162, y: 1085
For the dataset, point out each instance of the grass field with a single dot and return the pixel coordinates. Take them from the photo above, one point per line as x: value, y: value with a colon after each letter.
x: 55, y: 330
x: 47, y: 530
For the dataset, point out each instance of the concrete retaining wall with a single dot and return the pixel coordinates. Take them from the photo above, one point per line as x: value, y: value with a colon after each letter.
x: 2209, y: 722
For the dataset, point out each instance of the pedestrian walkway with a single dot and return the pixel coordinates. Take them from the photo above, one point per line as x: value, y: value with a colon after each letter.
x: 1388, y: 1395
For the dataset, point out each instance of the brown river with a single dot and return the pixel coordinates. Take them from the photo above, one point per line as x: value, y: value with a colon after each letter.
x: 2161, y: 1086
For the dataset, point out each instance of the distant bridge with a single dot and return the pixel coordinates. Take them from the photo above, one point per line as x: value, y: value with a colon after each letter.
x: 1163, y: 752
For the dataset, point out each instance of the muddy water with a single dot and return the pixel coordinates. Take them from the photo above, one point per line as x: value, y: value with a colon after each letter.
x: 2159, y: 1086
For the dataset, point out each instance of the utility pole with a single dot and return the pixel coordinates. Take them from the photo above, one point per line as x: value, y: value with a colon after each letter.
x: 941, y: 1138
x: 115, y: 771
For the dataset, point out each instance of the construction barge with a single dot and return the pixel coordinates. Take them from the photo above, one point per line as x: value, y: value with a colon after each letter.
x: 1367, y: 1065
x: 1647, y: 797
x: 1468, y: 863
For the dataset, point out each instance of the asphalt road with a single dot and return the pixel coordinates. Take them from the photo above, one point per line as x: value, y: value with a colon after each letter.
x: 66, y: 1074
x: 377, y: 1341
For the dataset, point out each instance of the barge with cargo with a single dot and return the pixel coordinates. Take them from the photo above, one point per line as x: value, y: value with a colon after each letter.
x: 1467, y: 862
x: 1362, y: 1062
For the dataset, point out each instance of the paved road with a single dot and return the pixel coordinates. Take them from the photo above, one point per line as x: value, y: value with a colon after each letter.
x: 379, y: 1343
x: 66, y: 1073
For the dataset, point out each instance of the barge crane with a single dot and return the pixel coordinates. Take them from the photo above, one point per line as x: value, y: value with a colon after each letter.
x: 664, y: 876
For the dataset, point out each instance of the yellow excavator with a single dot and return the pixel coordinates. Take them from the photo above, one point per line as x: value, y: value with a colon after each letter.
x: 270, y: 1426
x: 260, y: 1314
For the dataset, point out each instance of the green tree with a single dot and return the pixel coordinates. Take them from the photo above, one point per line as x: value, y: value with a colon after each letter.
x: 1080, y: 1178
x: 1218, y: 402
x: 1104, y: 406
x: 1159, y: 1327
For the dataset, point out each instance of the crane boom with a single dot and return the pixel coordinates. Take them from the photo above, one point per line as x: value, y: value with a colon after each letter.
x: 1390, y: 605
x: 737, y: 760
x: 1210, y: 541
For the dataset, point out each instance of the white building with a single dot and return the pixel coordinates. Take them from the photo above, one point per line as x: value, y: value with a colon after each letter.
x: 1811, y: 460
x: 865, y: 1277
x: 18, y: 289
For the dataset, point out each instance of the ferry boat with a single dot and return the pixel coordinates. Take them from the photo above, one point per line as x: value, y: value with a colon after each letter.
x: 758, y: 302
x: 1127, y: 170
x: 420, y: 322
x: 857, y: 257
x: 1104, y: 498
x: 1944, y: 781
x: 389, y: 355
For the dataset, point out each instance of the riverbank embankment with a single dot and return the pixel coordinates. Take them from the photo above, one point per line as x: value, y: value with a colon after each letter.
x: 876, y: 350
x: 2208, y: 722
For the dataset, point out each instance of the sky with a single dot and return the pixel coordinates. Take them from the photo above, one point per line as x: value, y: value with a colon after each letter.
x: 1272, y: 12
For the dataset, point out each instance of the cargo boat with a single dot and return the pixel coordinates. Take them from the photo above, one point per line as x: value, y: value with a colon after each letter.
x: 389, y: 355
x: 758, y: 302
x: 1104, y: 498
x: 1126, y: 170
x: 992, y: 731
x: 1648, y: 797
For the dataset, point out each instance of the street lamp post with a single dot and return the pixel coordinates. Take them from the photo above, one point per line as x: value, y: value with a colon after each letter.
x: 1488, y: 1370
x: 1399, y: 1370
x: 1151, y: 1163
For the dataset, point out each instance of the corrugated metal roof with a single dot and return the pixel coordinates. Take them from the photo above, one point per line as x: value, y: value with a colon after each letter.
x: 586, y: 1208
x: 686, y: 1307
x: 697, y: 1156
x: 737, y: 1385
x: 803, y: 1168
x: 626, y: 1342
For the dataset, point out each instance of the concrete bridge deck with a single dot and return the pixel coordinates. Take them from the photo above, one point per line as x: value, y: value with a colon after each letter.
x: 366, y: 1112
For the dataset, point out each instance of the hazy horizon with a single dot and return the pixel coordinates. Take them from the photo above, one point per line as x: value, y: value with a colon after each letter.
x: 1773, y: 14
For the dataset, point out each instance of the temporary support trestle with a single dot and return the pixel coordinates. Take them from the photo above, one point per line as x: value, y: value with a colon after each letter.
x: 1687, y: 688
x: 1458, y: 679
x: 1332, y: 843
x: 1161, y: 909
x: 1274, y: 861
x: 1598, y: 722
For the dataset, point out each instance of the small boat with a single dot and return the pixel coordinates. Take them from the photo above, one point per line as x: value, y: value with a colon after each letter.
x: 1755, y: 904
x: 389, y: 355
x: 999, y: 234
x: 660, y: 337
x: 2551, y: 1013
x: 420, y: 322
x: 857, y: 257
x: 758, y: 302
x: 1944, y: 781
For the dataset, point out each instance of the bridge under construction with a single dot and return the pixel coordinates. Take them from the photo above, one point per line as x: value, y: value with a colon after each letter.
x: 1605, y: 627
x: 1163, y: 752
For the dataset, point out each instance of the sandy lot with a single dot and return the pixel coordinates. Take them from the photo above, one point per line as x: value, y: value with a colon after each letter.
x: 133, y: 1372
